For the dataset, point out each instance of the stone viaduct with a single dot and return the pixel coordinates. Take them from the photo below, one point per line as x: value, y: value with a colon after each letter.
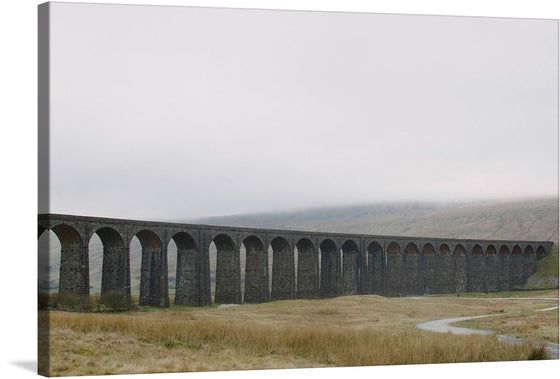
x: 327, y: 264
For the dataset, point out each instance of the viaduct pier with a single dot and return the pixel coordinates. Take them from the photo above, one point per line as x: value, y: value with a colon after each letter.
x: 305, y: 265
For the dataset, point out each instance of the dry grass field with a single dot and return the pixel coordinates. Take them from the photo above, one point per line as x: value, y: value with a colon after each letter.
x: 345, y: 331
x: 537, y: 326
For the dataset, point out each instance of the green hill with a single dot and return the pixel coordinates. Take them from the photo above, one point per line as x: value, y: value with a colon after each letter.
x: 535, y: 219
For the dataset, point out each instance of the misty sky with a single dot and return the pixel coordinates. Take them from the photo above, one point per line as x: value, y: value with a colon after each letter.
x: 177, y: 112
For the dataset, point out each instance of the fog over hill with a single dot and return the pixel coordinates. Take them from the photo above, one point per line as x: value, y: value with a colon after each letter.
x: 534, y: 219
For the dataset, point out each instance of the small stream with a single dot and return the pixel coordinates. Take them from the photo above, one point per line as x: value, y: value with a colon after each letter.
x: 445, y: 326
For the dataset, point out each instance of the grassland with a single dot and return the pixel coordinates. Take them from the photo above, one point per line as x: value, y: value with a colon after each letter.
x: 344, y: 331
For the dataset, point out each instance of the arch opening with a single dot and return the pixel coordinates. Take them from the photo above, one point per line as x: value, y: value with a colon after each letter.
x: 48, y: 259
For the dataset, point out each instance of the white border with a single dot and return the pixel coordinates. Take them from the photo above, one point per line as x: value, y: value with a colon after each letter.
x: 18, y: 149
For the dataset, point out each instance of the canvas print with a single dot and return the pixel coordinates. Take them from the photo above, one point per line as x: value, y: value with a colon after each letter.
x: 242, y: 189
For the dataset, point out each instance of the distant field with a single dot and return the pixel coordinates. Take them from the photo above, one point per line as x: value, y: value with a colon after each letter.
x: 344, y: 331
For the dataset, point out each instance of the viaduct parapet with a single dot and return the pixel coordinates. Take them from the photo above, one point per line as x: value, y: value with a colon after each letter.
x: 305, y: 265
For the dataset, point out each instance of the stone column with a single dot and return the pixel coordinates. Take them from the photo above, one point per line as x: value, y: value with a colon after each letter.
x: 115, y: 273
x: 187, y: 288
x: 74, y: 270
x: 308, y: 272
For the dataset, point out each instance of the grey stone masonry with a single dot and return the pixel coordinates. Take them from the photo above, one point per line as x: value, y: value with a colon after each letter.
x: 326, y: 264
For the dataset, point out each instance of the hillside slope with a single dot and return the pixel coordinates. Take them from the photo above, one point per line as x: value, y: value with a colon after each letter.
x: 528, y: 219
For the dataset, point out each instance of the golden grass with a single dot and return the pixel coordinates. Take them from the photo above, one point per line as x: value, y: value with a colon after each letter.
x: 89, y: 344
x: 345, y: 331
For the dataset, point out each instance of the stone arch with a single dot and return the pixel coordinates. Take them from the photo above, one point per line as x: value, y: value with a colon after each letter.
x: 115, y: 273
x: 188, y: 271
x: 351, y: 274
x: 461, y: 268
x: 256, y: 271
x: 308, y: 270
x: 228, y: 288
x: 376, y: 268
x: 67, y: 235
x: 330, y: 269
x: 491, y: 268
x: 429, y: 279
x: 394, y: 270
x: 445, y: 274
x: 412, y: 270
x: 283, y: 270
x: 477, y: 269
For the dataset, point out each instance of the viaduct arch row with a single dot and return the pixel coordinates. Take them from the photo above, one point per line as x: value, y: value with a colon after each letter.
x: 327, y: 264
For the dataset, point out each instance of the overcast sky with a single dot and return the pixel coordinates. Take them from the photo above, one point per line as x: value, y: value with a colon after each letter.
x: 176, y: 112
